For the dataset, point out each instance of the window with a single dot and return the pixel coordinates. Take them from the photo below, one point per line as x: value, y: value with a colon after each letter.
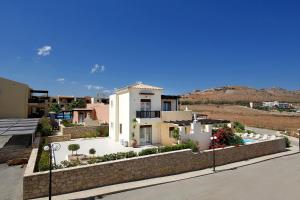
x: 171, y: 129
x: 145, y: 104
x: 167, y: 106
x: 120, y: 128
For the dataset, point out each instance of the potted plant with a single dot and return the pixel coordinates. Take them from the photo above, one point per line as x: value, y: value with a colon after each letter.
x: 133, y: 141
x: 176, y: 135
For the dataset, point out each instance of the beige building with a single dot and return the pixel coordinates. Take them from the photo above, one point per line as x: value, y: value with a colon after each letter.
x: 18, y: 100
x: 141, y: 112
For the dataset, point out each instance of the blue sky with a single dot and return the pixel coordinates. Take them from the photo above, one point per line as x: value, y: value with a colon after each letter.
x: 81, y: 47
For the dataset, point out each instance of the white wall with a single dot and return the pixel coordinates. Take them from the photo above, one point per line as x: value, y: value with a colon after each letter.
x: 124, y: 117
x: 113, y: 117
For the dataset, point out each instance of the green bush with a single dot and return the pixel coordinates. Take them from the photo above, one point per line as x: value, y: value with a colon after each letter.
x: 287, y: 142
x: 44, y: 127
x: 43, y: 163
x: 92, y: 151
x: 73, y: 163
x: 238, y: 127
x: 73, y: 147
x: 130, y: 154
x: 103, y: 131
x: 148, y: 151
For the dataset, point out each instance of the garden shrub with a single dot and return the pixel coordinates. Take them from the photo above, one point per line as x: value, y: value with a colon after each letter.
x: 226, y: 137
x: 148, y: 151
x: 73, y: 163
x: 238, y: 127
x: 73, y: 147
x: 103, y: 131
x: 43, y: 163
x: 92, y: 151
x: 130, y: 154
x: 44, y: 127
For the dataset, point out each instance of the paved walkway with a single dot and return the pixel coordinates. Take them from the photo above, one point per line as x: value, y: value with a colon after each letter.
x: 169, y: 179
x: 11, y: 182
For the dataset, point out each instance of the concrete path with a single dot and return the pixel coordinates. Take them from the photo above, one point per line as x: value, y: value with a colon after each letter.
x: 169, y: 179
x: 11, y: 182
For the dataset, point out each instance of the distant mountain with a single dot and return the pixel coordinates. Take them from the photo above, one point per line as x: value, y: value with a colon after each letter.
x: 232, y: 94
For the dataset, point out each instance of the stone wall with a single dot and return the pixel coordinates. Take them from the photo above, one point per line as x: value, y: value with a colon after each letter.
x: 77, y: 131
x: 57, y: 138
x: 132, y: 169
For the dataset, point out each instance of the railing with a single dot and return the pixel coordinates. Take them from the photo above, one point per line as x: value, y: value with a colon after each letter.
x: 36, y: 100
x: 147, y: 114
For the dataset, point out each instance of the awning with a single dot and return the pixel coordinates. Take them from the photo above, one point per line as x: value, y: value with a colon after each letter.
x: 18, y: 126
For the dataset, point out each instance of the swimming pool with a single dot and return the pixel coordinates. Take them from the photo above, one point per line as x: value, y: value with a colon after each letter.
x: 247, y: 141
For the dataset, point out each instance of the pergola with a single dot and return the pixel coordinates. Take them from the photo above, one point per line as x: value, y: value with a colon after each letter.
x: 14, y: 127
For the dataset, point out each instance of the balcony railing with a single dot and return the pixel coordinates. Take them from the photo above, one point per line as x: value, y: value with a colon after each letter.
x: 147, y: 114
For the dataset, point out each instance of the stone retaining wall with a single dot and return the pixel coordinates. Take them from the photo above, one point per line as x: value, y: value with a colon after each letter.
x: 57, y: 138
x: 77, y: 131
x: 132, y: 169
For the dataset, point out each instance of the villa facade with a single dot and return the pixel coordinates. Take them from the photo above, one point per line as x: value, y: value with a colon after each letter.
x: 143, y: 113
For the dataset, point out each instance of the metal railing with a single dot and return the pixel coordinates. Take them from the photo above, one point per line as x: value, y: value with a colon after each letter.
x: 148, y: 114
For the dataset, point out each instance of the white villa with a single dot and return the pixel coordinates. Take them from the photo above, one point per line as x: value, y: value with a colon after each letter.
x: 143, y: 113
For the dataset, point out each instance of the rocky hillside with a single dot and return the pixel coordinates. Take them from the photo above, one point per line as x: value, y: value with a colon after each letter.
x: 241, y: 95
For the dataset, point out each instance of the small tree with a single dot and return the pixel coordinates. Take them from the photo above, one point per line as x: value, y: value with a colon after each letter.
x: 74, y: 147
x: 54, y: 107
x: 175, y: 134
x: 92, y: 151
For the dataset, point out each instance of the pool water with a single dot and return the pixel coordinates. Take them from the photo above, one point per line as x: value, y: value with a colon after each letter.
x: 249, y: 141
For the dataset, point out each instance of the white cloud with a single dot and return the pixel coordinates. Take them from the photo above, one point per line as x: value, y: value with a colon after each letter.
x: 44, y: 51
x: 61, y: 80
x: 97, y: 68
x: 95, y: 87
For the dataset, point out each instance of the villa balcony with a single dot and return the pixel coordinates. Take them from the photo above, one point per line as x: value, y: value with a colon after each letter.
x: 147, y: 114
x: 148, y: 117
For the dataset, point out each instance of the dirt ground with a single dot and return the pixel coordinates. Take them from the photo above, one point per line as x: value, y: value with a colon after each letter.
x: 262, y: 119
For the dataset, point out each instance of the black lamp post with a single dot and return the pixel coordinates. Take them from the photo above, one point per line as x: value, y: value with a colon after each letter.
x: 213, y: 139
x: 51, y: 148
x: 48, y: 148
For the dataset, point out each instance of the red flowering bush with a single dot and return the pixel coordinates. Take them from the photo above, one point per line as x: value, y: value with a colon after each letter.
x: 226, y: 137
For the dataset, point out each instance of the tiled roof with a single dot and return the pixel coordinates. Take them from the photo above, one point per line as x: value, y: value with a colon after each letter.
x: 140, y: 86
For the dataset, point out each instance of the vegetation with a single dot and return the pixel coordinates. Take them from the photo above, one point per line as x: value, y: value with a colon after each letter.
x: 43, y: 161
x: 148, y: 151
x: 79, y: 103
x: 92, y: 151
x: 44, y: 127
x: 73, y: 147
x: 217, y: 102
x: 54, y: 107
x: 238, y: 127
x: 175, y: 133
x: 101, y: 131
x: 226, y: 137
x: 67, y: 123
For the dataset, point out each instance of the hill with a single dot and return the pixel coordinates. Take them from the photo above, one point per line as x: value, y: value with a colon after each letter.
x: 240, y: 95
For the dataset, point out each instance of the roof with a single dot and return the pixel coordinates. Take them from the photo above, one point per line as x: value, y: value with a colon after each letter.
x: 140, y: 85
x: 18, y: 126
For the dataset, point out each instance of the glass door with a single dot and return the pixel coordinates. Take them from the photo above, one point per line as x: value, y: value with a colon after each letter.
x: 145, y: 135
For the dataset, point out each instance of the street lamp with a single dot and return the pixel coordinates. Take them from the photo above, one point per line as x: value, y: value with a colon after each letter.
x: 51, y: 148
x: 213, y: 139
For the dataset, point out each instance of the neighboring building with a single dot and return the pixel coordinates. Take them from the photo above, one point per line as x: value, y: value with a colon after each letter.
x: 93, y: 114
x: 99, y: 100
x: 143, y: 113
x: 272, y: 104
x: 63, y: 101
x: 18, y: 100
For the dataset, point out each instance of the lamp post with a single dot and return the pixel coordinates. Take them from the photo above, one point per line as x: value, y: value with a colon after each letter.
x: 51, y: 148
x: 213, y: 139
x: 48, y: 148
